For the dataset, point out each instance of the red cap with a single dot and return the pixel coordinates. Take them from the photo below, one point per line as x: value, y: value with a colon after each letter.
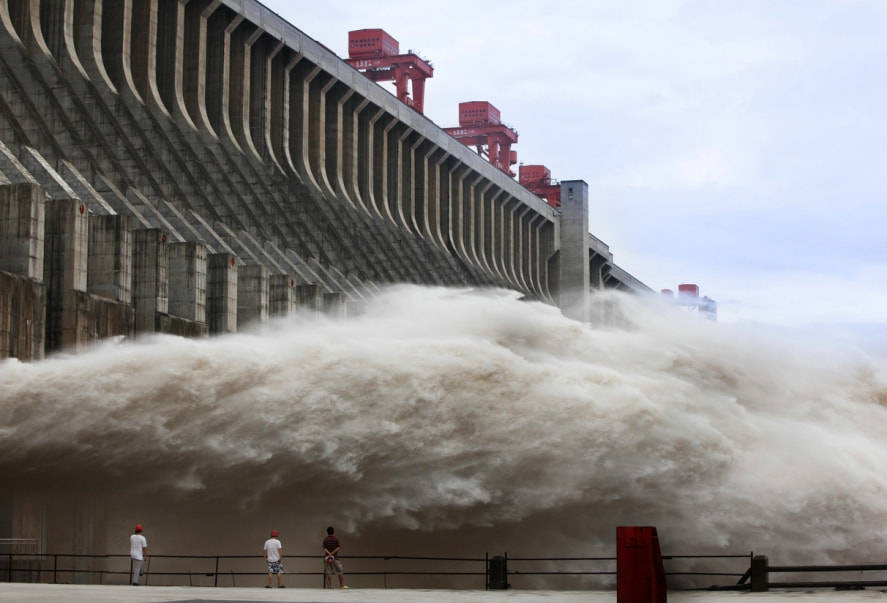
x: 275, y: 533
x: 138, y: 527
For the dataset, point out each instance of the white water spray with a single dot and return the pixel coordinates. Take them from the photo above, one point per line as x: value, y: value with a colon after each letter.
x: 450, y: 411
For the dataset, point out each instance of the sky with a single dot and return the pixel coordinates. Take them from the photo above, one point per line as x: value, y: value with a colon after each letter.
x: 741, y: 146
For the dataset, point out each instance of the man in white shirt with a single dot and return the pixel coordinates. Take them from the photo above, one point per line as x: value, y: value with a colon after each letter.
x: 138, y: 550
x: 274, y: 558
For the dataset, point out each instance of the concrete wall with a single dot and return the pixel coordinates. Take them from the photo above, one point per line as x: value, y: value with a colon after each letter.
x: 163, y: 135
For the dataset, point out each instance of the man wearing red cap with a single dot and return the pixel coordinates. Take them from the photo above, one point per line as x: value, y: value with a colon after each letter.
x: 274, y: 558
x: 138, y: 550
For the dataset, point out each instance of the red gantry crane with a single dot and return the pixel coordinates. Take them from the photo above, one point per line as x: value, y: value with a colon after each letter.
x: 537, y: 180
x: 377, y: 55
x: 479, y: 125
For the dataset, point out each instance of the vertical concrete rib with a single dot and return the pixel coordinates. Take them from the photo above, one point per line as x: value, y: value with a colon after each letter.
x: 87, y: 25
x: 340, y: 136
x: 534, y: 242
x: 314, y: 144
x: 377, y: 164
x: 354, y: 153
x: 241, y: 40
x: 8, y: 22
x: 273, y: 123
x: 194, y: 71
x: 547, y: 248
x: 289, y: 130
x: 24, y: 15
x: 405, y: 175
x: 431, y: 210
x: 519, y: 247
x: 475, y: 221
x: 456, y: 222
x: 367, y: 115
x: 231, y: 79
x: 144, y: 25
x: 117, y: 44
x: 417, y: 198
x: 66, y: 47
x: 329, y: 139
x: 253, y: 116
x: 300, y: 120
x: 400, y: 175
x: 506, y: 247
x: 386, y: 175
x: 490, y: 231
x: 175, y: 74
x: 214, y: 24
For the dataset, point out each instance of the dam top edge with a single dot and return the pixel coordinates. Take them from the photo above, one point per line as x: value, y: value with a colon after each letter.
x: 278, y: 27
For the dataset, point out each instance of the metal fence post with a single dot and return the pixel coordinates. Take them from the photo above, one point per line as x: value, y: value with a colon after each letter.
x: 10, y: 567
x: 760, y: 574
x: 55, y: 566
x: 486, y: 570
x: 216, y: 575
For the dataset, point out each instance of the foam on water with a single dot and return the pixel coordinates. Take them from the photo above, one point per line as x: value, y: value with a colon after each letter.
x: 446, y: 410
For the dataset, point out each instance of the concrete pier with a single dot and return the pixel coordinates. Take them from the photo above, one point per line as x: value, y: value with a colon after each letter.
x: 573, y: 270
x: 187, y: 281
x: 282, y: 295
x: 150, y: 284
x: 334, y: 305
x: 252, y: 294
x: 22, y: 222
x: 109, y: 265
x: 22, y: 292
x: 221, y: 293
x: 309, y: 297
x: 64, y: 267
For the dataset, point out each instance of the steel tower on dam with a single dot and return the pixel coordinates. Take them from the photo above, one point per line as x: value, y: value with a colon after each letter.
x: 189, y: 166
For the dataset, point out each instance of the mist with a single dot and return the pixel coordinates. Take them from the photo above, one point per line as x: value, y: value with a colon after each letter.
x: 444, y: 419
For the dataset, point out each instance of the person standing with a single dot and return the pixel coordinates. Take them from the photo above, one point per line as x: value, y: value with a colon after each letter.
x: 274, y: 559
x: 138, y: 550
x: 331, y: 563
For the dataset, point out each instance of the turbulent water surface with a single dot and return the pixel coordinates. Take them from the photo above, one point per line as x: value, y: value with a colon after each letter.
x: 448, y: 414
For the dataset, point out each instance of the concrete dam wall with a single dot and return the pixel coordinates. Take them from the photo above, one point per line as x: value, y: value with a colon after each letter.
x: 187, y: 166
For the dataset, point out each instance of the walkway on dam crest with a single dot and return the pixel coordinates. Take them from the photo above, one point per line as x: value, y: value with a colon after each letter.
x: 21, y: 593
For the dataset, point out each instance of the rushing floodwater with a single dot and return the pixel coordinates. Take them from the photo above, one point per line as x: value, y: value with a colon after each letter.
x: 448, y: 414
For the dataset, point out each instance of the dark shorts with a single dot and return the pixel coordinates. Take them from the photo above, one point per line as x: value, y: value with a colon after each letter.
x: 275, y: 567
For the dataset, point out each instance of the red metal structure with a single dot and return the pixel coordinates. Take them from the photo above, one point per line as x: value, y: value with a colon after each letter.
x: 479, y: 126
x: 688, y: 289
x: 640, y: 575
x: 377, y: 55
x: 537, y: 180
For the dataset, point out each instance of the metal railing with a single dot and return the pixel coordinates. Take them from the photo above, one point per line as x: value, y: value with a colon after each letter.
x: 224, y: 570
x: 761, y: 570
x: 404, y: 571
x: 9, y: 545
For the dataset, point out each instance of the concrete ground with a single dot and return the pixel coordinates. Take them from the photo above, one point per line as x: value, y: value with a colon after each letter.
x: 23, y: 593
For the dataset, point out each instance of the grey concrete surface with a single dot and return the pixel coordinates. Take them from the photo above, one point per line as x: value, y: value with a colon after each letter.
x: 167, y: 594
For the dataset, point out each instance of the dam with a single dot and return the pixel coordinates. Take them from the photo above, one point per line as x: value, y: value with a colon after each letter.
x: 188, y: 167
